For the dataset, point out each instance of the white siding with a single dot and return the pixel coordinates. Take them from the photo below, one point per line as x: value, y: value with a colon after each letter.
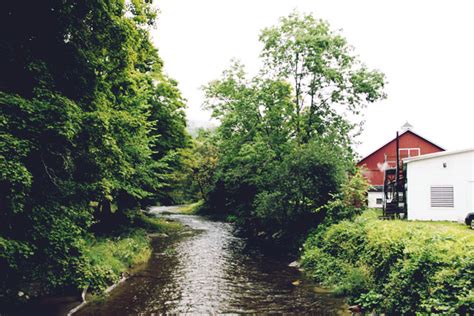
x: 372, y: 199
x: 456, y: 170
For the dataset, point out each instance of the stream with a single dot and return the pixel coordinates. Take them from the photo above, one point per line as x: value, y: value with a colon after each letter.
x: 206, y: 269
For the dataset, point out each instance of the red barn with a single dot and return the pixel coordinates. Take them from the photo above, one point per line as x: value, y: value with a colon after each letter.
x: 411, y: 145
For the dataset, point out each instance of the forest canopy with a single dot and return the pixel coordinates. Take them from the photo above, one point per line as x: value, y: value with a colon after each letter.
x: 89, y: 132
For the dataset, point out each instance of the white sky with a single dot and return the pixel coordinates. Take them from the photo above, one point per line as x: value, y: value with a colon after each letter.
x: 425, y: 48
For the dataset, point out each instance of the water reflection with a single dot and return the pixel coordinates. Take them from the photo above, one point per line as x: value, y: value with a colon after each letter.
x: 208, y: 270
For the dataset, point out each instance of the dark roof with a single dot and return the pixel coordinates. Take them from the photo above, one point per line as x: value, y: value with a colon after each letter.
x: 407, y: 131
x: 376, y: 188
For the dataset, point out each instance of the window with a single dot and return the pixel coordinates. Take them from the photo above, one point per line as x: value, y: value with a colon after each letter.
x: 409, y: 152
x: 442, y: 196
x: 378, y: 201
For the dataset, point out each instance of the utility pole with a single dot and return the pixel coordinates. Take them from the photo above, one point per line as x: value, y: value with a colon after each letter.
x: 397, y: 171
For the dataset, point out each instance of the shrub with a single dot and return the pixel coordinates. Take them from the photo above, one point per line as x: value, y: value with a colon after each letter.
x: 193, y: 208
x: 107, y: 258
x: 350, y: 202
x: 396, y: 267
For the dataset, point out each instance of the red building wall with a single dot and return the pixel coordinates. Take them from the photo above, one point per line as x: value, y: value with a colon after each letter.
x: 373, y: 163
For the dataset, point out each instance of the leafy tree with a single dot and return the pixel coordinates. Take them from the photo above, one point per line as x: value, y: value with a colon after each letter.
x: 349, y: 202
x: 328, y: 80
x: 194, y: 178
x: 89, y: 126
x: 168, y: 117
x: 204, y: 163
x: 285, y: 137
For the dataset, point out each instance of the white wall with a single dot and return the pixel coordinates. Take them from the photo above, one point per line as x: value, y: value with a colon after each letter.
x: 471, y: 196
x: 424, y: 173
x: 372, y: 199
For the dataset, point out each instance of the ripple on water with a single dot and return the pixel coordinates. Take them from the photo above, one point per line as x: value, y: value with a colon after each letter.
x: 212, y: 271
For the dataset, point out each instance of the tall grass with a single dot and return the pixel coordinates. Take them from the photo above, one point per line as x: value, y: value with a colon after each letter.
x: 107, y: 258
x: 191, y: 208
x: 396, y: 266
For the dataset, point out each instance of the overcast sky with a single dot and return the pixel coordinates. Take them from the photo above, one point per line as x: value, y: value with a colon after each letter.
x: 425, y: 48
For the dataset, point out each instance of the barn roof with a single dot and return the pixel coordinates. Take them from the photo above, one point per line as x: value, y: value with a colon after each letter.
x: 394, y: 139
x: 438, y: 154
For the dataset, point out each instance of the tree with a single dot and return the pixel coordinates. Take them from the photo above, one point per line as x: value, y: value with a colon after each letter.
x: 328, y: 80
x: 88, y: 127
x: 284, y: 142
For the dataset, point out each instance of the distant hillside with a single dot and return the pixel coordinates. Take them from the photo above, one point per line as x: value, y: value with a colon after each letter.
x: 194, y: 125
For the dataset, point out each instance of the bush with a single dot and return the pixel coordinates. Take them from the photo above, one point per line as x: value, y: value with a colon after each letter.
x: 152, y: 223
x: 396, y: 267
x: 107, y: 258
x: 276, y: 199
x: 192, y: 208
x: 349, y: 202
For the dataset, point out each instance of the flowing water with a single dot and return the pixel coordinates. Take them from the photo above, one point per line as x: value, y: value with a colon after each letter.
x: 206, y: 269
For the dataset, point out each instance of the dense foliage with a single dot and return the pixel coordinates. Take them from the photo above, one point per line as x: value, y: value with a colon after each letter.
x: 89, y: 126
x: 106, y: 259
x: 396, y: 267
x: 284, y: 140
x: 194, y: 178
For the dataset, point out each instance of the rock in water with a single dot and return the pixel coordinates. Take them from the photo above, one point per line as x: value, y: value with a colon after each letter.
x: 355, y: 309
x: 294, y: 264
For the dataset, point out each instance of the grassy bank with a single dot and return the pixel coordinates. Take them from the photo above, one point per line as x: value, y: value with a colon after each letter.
x: 192, y: 208
x: 100, y: 261
x: 396, y: 266
x: 107, y: 258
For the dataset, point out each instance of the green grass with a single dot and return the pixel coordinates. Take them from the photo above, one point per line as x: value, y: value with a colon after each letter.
x: 447, y: 237
x: 396, y: 266
x: 191, y: 208
x: 107, y: 258
x: 156, y: 224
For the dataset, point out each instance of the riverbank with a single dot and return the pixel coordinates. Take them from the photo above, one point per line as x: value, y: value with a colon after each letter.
x: 192, y: 208
x: 206, y: 269
x: 396, y: 266
x: 105, y: 261
x: 111, y: 257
